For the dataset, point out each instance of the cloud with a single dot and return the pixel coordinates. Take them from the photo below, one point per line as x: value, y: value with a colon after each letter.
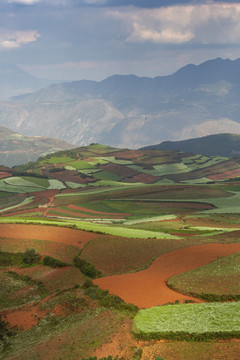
x: 14, y: 39
x: 95, y: 2
x: 142, y: 33
x: 211, y: 23
x: 24, y: 2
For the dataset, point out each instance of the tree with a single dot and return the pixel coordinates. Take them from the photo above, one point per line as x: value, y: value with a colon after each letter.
x: 30, y: 256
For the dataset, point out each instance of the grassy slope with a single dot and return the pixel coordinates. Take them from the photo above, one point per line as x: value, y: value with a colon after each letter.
x: 220, y: 277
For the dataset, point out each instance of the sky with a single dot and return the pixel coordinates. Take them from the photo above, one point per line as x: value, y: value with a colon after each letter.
x: 94, y: 39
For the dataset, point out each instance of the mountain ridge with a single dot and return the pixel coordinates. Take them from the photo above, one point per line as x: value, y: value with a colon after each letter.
x: 15, y: 81
x: 131, y: 111
x: 211, y: 145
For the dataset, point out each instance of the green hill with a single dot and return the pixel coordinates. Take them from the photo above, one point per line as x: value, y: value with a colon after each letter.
x: 212, y: 145
x: 18, y: 149
x: 101, y: 165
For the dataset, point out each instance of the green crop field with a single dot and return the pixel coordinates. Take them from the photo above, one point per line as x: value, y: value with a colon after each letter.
x: 81, y: 164
x: 38, y: 181
x: 220, y: 277
x: 57, y: 160
x: 116, y: 161
x: 26, y: 201
x: 226, y: 205
x: 123, y: 232
x: 106, y: 175
x: 56, y: 184
x: 18, y: 185
x: 209, y: 319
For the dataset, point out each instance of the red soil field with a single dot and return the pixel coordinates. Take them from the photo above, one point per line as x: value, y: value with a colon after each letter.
x: 225, y: 175
x: 55, y: 249
x: 54, y: 279
x: 145, y: 178
x: 51, y: 233
x: 4, y: 174
x: 210, y: 223
x: 64, y: 213
x: 186, y: 205
x: 24, y: 317
x: 70, y: 175
x: 126, y: 154
x: 21, y: 212
x: 80, y: 208
x: 148, y: 288
x: 46, y: 194
x: 119, y: 170
x: 55, y: 212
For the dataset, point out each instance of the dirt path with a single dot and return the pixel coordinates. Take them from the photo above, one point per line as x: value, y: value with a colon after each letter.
x: 50, y: 203
x: 148, y: 287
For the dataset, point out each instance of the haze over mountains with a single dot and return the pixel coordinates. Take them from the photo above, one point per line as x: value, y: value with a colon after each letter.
x: 15, y: 81
x: 129, y: 111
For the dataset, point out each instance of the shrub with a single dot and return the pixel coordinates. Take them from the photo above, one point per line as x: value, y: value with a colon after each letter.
x: 50, y: 261
x: 30, y: 256
x: 86, y: 268
x: 10, y: 259
x: 5, y: 333
x: 107, y: 300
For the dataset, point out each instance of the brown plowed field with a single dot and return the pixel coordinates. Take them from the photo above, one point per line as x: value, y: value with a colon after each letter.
x: 70, y: 175
x: 225, y: 175
x: 80, y: 208
x: 4, y: 174
x: 127, y: 154
x: 145, y: 178
x: 46, y: 194
x: 186, y: 205
x: 51, y: 233
x: 119, y: 170
x: 25, y: 317
x: 148, y: 287
x: 21, y: 212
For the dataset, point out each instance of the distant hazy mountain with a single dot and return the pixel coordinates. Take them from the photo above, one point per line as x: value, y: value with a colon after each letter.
x: 16, y: 149
x: 212, y: 145
x: 15, y: 81
x: 129, y: 111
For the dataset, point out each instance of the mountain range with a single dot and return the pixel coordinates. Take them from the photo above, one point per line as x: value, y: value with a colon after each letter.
x: 131, y: 111
x: 16, y: 81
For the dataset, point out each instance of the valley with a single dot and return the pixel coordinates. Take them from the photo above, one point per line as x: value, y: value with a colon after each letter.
x: 115, y: 231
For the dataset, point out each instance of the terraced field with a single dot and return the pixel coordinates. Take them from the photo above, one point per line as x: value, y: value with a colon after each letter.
x: 149, y: 226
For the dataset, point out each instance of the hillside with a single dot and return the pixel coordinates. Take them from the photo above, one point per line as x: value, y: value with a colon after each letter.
x: 130, y: 111
x: 16, y: 149
x: 212, y: 145
x: 101, y: 165
x: 94, y: 240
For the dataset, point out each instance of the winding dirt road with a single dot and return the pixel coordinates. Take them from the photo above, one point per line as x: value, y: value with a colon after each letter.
x: 148, y: 288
